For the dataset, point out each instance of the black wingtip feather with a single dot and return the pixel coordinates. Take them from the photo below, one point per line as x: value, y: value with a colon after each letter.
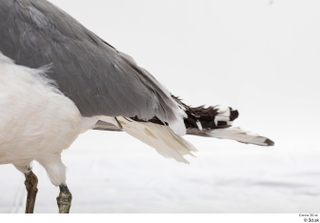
x: 234, y: 114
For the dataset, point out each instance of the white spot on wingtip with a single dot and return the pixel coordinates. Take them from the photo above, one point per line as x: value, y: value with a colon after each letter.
x: 215, y: 121
x: 222, y: 109
x: 199, y: 125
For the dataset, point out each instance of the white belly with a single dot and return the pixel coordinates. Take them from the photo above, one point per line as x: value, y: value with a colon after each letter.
x: 36, y: 120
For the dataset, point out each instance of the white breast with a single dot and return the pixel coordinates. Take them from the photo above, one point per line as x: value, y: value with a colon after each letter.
x: 36, y: 120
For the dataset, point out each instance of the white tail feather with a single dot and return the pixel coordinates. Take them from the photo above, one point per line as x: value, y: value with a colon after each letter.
x: 160, y: 137
x: 239, y: 135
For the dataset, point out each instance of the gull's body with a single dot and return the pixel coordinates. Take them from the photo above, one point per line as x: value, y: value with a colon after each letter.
x: 58, y: 79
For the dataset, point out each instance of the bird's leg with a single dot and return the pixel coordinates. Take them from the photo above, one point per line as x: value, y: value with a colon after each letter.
x: 64, y: 199
x: 31, y: 183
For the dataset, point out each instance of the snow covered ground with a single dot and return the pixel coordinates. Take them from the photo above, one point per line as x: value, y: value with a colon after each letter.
x: 112, y: 172
x: 261, y: 57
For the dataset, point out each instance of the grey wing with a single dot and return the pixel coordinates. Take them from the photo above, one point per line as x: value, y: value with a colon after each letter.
x: 97, y: 77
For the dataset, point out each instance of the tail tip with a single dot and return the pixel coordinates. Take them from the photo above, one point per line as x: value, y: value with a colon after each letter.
x: 269, y: 142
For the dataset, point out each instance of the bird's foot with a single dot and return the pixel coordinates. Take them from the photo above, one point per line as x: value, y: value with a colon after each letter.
x: 31, y: 183
x: 64, y: 199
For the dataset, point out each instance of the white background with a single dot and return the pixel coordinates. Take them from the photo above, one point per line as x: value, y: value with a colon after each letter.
x: 260, y: 57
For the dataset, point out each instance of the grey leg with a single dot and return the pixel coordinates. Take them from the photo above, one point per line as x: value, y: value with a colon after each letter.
x: 64, y: 199
x: 31, y: 183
